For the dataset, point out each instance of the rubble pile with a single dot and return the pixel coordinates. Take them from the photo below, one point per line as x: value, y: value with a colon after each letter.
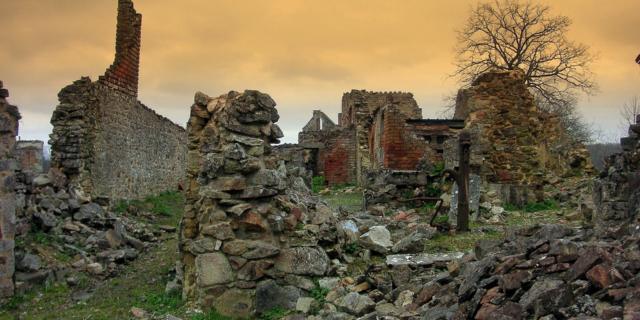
x: 617, y: 189
x: 541, y: 272
x: 85, y: 236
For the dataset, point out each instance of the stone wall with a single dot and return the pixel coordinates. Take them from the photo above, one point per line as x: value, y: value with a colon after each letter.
x: 9, y: 117
x: 30, y: 155
x: 617, y: 190
x: 111, y: 145
x: 514, y: 142
x: 239, y: 247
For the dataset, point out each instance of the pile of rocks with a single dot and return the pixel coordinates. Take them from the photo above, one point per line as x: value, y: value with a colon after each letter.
x: 617, y: 190
x: 250, y: 238
x: 544, y: 272
x: 93, y: 239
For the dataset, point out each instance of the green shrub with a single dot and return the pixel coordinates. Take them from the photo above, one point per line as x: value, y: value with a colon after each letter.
x: 438, y: 169
x: 541, y: 206
x: 317, y: 184
x: 351, y: 248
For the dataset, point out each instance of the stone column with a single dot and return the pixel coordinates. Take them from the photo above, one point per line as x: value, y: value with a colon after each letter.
x: 236, y: 247
x: 9, y: 117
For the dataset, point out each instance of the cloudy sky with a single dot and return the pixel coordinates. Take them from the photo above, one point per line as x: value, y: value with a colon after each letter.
x: 304, y: 53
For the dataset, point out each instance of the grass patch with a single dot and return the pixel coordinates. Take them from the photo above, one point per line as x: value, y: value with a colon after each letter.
x: 459, y: 242
x: 212, y: 315
x: 167, y: 204
x: 350, y: 201
x: 351, y: 248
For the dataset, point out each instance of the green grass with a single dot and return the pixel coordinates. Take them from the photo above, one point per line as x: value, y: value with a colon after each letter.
x: 168, y: 205
x: 350, y: 201
x: 459, y: 242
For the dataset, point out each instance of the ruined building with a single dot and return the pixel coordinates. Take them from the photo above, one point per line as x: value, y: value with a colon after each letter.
x: 375, y: 130
x: 30, y: 155
x: 9, y: 117
x: 107, y: 142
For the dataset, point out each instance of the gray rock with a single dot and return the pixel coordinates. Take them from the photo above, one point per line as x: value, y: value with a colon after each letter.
x: 270, y: 295
x: 414, y: 242
x: 539, y: 290
x: 212, y: 269
x: 90, y: 212
x: 378, y: 239
x: 304, y: 304
x: 423, y: 259
x: 45, y: 220
x: 355, y: 303
x: 473, y: 273
x: 41, y: 180
x: 29, y: 263
x: 303, y: 261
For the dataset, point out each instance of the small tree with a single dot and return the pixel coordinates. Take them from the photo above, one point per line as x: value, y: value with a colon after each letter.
x: 509, y: 34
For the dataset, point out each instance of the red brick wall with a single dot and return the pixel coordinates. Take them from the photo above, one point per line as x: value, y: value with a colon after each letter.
x: 339, y: 158
x: 402, y: 150
x: 122, y: 75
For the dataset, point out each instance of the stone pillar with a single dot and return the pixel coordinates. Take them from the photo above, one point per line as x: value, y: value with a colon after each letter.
x: 235, y: 245
x: 9, y: 117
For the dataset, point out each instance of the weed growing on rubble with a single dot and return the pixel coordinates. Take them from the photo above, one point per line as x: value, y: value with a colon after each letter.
x: 317, y: 184
x: 351, y: 248
x: 166, y: 204
x: 274, y: 314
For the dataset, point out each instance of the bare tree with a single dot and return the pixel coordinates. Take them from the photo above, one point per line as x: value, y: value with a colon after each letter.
x: 509, y: 34
x: 628, y: 113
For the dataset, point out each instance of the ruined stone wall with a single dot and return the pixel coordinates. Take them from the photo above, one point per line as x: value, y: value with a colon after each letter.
x: 331, y: 148
x: 107, y: 142
x: 111, y: 145
x: 238, y: 245
x: 122, y: 75
x: 30, y: 155
x: 617, y: 189
x: 9, y: 117
x: 359, y: 109
x: 514, y: 142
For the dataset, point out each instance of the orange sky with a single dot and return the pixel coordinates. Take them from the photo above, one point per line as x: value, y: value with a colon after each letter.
x: 304, y: 53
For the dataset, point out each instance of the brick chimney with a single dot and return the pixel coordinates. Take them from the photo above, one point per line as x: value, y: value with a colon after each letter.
x: 122, y: 75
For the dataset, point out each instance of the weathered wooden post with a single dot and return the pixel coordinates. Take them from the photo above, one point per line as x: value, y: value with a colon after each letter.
x: 463, y: 181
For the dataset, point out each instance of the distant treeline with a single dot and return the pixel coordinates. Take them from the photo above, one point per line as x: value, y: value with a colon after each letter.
x: 599, y: 151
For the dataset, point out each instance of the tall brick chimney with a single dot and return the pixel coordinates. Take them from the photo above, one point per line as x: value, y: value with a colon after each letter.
x: 122, y: 75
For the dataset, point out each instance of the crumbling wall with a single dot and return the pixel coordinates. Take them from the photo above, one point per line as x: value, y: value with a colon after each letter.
x: 330, y: 149
x: 514, y: 142
x: 397, y: 147
x: 107, y: 142
x: 617, y: 189
x: 9, y: 117
x: 30, y: 155
x: 238, y: 245
x: 359, y: 109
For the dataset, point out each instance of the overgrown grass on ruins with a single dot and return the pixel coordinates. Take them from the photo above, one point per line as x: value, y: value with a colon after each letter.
x: 168, y: 204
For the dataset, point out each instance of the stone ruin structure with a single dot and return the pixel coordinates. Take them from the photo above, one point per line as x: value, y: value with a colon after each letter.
x: 108, y: 143
x: 617, y: 190
x: 516, y: 147
x: 9, y: 117
x: 376, y: 130
x: 240, y: 249
x: 30, y: 155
